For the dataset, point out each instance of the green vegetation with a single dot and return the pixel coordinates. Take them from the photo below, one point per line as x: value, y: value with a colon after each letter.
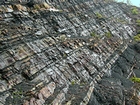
x: 73, y: 82
x: 135, y: 79
x: 17, y: 94
x: 138, y: 22
x: 138, y: 32
x: 93, y: 34
x: 108, y: 35
x: 137, y: 37
x: 64, y: 55
x: 98, y: 15
x: 134, y: 11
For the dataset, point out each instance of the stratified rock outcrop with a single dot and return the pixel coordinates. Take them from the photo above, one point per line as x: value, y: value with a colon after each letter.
x: 57, y: 51
x: 116, y: 88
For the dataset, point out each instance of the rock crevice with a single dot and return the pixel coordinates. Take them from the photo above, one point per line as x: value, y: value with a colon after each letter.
x: 51, y: 49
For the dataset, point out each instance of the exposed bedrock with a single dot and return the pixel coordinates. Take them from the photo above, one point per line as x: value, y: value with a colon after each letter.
x: 116, y: 88
x: 65, y: 52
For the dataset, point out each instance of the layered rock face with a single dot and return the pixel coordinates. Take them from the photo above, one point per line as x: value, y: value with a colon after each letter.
x: 116, y: 88
x: 55, y: 52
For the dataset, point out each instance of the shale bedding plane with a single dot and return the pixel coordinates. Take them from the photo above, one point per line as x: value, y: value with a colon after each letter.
x: 55, y: 52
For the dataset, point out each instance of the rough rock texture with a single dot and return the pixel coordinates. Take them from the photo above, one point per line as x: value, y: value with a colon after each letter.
x: 116, y: 88
x: 56, y: 52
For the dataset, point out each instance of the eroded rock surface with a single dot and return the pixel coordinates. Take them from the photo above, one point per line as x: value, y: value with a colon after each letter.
x: 117, y: 88
x: 55, y: 52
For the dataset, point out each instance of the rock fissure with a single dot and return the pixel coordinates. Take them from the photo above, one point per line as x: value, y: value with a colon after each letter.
x: 66, y: 53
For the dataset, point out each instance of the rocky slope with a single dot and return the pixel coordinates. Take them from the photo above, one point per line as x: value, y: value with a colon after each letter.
x: 116, y: 88
x: 65, y: 52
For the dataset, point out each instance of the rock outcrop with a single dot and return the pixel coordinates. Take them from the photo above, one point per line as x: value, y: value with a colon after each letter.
x: 65, y: 52
x: 116, y: 88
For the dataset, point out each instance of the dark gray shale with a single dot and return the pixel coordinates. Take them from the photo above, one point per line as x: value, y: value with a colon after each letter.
x: 48, y: 56
x: 115, y: 88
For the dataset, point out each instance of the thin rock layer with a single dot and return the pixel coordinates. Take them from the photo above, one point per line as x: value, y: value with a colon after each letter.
x: 56, y: 51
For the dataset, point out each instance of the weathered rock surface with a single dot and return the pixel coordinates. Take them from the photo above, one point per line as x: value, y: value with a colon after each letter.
x: 56, y: 52
x: 116, y: 88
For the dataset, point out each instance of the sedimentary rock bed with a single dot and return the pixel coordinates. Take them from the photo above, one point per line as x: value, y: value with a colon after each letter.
x: 55, y: 52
